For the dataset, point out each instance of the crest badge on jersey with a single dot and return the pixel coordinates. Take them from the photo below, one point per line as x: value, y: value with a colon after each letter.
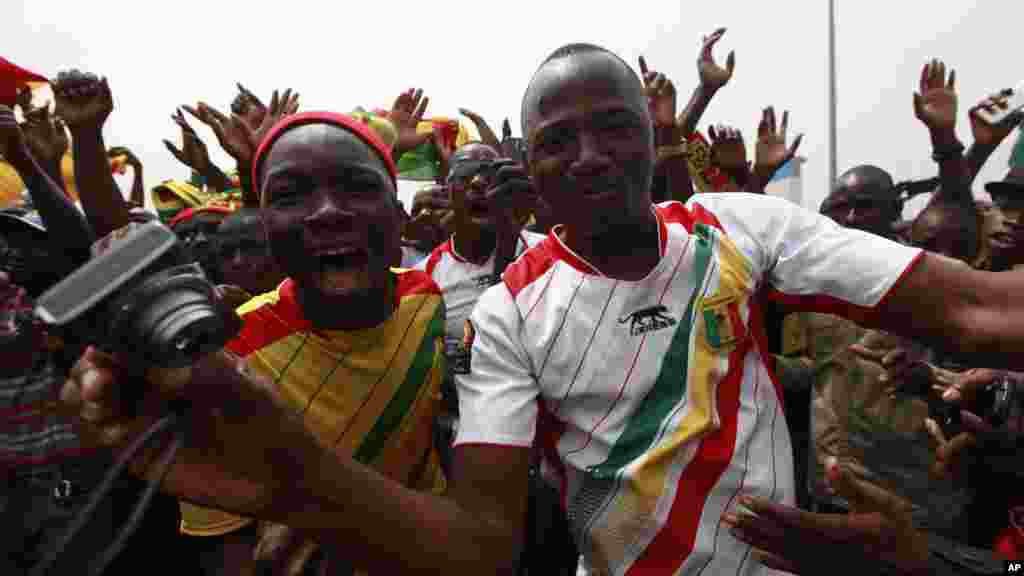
x: 723, y: 325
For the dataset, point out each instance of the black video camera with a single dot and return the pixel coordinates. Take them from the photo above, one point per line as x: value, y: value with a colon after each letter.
x: 140, y: 298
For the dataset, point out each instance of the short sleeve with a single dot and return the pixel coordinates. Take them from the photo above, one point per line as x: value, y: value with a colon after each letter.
x: 807, y: 260
x: 498, y: 397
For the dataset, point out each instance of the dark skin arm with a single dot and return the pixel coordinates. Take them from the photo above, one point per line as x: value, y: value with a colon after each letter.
x: 55, y: 208
x: 362, y: 515
x: 84, y: 102
x: 988, y: 137
x: 946, y: 303
x: 712, y: 78
x: 661, y: 98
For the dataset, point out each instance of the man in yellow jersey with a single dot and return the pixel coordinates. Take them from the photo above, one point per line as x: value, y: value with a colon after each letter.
x: 353, y: 347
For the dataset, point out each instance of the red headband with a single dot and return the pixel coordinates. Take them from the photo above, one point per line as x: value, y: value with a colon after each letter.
x: 190, y: 213
x: 360, y: 129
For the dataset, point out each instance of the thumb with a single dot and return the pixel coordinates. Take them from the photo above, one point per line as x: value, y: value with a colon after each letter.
x: 863, y: 496
x: 918, y: 105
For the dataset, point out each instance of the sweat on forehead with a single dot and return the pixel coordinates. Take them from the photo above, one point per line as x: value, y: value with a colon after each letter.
x: 579, y: 63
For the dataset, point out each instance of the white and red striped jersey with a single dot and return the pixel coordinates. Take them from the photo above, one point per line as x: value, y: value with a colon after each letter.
x: 654, y: 401
x: 462, y: 282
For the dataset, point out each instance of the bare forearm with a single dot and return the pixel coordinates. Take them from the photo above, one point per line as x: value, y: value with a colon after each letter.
x: 55, y: 208
x: 106, y: 210
x: 138, y: 196
x: 345, y: 506
x: 954, y: 171
x: 977, y: 155
x: 695, y: 108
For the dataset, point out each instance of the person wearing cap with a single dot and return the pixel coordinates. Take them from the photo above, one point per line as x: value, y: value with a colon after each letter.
x: 1006, y: 229
x: 354, y: 347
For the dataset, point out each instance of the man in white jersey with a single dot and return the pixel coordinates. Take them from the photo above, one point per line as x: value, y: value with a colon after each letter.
x: 628, y: 341
x: 464, y: 265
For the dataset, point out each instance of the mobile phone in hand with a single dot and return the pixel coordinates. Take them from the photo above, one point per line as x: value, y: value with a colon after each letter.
x: 1014, y: 105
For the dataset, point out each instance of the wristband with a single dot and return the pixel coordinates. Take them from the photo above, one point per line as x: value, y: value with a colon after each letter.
x: 948, y: 151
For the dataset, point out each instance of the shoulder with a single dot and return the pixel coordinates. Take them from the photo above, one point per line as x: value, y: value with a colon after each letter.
x: 268, y: 318
x: 414, y: 281
x: 429, y: 264
x: 530, y: 266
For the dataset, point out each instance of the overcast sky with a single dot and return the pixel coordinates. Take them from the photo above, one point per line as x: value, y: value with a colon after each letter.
x: 159, y: 55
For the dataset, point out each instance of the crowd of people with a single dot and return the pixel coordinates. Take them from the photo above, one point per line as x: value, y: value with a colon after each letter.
x: 598, y: 348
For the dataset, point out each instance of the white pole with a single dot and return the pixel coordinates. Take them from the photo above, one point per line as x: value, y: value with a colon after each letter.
x: 832, y: 159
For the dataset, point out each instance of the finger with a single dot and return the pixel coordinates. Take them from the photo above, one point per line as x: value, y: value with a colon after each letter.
x: 730, y: 63
x: 894, y: 356
x: 213, y: 112
x: 922, y: 82
x: 175, y: 152
x: 791, y: 153
x: 197, y: 113
x: 421, y: 109
x: 506, y: 129
x: 864, y: 496
x: 935, y: 431
x: 643, y: 67
x: 940, y: 75
x: 952, y: 80
x: 659, y: 84
x: 762, y: 126
x: 784, y: 127
x: 293, y: 106
x: 275, y: 102
x: 774, y: 562
x: 772, y: 124
x: 918, y: 105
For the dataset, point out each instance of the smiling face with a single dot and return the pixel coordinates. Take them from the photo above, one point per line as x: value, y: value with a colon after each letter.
x: 591, y: 147
x: 331, y: 217
x: 1005, y: 230
x: 471, y: 169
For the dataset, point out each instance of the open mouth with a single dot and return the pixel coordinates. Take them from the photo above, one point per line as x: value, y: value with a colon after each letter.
x: 1004, y: 239
x: 343, y: 269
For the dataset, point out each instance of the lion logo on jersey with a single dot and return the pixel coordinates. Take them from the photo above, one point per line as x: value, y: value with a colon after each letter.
x: 648, y: 320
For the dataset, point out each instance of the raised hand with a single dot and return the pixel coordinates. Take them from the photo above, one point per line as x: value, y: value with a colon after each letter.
x: 771, y: 152
x: 45, y: 136
x: 728, y: 151
x: 193, y: 152
x: 406, y: 113
x: 712, y: 76
x: 24, y: 100
x: 661, y: 97
x: 506, y: 130
x: 877, y: 531
x: 992, y: 135
x: 83, y: 101
x: 234, y: 135
x: 256, y: 110
x: 12, y: 140
x: 487, y: 136
x: 935, y: 102
x: 129, y: 157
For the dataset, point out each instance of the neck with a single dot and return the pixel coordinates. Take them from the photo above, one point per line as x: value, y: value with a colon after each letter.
x: 358, y: 311
x: 628, y: 251
x: 474, y: 243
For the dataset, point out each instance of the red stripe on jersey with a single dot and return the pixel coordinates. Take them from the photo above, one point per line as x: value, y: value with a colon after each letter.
x: 675, y: 541
x: 269, y: 323
x: 436, y: 254
x: 413, y: 282
x: 533, y: 264
x: 677, y: 213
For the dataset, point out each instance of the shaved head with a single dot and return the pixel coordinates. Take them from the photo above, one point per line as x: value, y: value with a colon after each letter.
x: 579, y: 62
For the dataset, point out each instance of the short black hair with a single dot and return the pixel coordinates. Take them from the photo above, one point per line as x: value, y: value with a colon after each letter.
x: 566, y: 51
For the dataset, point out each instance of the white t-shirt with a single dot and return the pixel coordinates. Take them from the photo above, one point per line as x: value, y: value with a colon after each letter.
x: 462, y: 282
x: 653, y: 400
